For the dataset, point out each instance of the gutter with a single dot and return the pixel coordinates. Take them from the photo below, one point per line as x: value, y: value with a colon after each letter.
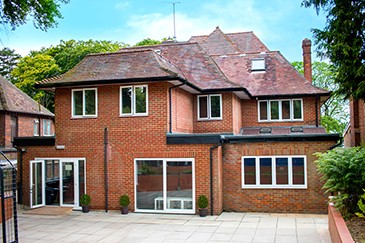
x: 211, y: 175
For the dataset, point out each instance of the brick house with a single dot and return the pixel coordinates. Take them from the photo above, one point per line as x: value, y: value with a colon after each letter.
x: 354, y: 134
x: 219, y: 115
x: 20, y: 115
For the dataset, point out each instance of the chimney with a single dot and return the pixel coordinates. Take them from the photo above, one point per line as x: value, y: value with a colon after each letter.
x: 307, y: 59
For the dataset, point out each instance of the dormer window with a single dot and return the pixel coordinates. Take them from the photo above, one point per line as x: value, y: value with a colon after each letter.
x: 258, y: 64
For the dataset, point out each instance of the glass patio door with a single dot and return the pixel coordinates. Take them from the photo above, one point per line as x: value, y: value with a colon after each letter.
x: 69, y: 182
x: 37, y: 188
x: 164, y: 185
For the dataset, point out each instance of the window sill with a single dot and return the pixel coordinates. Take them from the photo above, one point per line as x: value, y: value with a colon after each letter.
x: 275, y: 187
x: 134, y: 115
x: 211, y: 119
x: 272, y: 121
x: 84, y: 117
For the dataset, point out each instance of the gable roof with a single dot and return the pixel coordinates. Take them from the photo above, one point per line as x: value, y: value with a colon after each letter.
x: 209, y: 63
x: 13, y: 99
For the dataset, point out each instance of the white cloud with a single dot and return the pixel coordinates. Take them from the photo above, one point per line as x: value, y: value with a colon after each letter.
x: 230, y: 16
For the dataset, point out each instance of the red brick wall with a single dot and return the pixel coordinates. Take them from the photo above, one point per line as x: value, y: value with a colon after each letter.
x: 236, y: 114
x: 250, y: 114
x: 129, y: 138
x: 182, y: 111
x: 2, y: 129
x: 356, y: 134
x: 310, y: 200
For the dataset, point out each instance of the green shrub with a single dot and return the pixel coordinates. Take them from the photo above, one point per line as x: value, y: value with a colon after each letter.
x: 124, y: 200
x: 85, y: 200
x: 202, y: 201
x: 361, y: 205
x: 343, y: 171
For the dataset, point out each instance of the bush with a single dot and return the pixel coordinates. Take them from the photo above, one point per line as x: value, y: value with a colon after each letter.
x: 85, y: 200
x: 124, y: 201
x: 202, y: 201
x: 343, y: 170
x: 361, y: 205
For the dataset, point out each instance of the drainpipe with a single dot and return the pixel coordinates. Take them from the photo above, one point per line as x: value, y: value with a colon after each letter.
x: 317, y: 120
x: 211, y: 175
x: 20, y: 164
x: 170, y: 106
x: 106, y: 167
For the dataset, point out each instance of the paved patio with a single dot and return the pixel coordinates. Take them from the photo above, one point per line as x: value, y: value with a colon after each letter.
x: 134, y: 227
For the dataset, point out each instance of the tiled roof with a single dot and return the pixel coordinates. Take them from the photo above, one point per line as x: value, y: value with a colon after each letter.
x: 13, y: 99
x: 219, y: 43
x: 141, y: 64
x: 210, y: 62
x: 279, y: 78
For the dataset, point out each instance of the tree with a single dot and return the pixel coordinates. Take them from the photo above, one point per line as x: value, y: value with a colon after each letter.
x: 343, y: 42
x: 69, y: 53
x: 334, y: 114
x: 34, y: 69
x: 52, y: 61
x: 43, y: 12
x: 8, y: 60
x: 148, y: 42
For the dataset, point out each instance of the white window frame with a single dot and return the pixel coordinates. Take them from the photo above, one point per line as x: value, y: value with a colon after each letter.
x: 164, y: 162
x: 47, y: 127
x: 133, y: 101
x: 36, y: 127
x: 209, y: 110
x: 268, y: 111
x: 84, y: 106
x: 273, y: 172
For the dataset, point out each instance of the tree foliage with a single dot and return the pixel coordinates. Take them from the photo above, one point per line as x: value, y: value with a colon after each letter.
x: 148, y: 42
x: 334, y: 113
x: 343, y: 172
x: 43, y: 12
x: 52, y: 61
x: 343, y: 42
x: 8, y: 60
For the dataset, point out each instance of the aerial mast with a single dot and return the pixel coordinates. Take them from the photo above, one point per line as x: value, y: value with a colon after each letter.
x: 173, y: 15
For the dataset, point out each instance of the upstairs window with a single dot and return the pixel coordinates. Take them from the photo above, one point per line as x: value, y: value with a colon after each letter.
x: 84, y: 103
x: 280, y: 110
x: 258, y: 64
x: 36, y: 127
x: 46, y: 127
x: 274, y: 172
x: 134, y: 100
x: 210, y: 107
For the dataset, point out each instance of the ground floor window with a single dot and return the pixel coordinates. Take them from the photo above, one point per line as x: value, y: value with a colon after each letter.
x: 164, y: 185
x: 274, y: 172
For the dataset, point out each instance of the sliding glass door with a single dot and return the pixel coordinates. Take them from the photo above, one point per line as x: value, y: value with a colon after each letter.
x: 165, y: 185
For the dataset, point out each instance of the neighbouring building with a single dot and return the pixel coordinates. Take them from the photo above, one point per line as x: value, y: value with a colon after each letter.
x: 219, y: 115
x: 355, y: 132
x: 21, y: 116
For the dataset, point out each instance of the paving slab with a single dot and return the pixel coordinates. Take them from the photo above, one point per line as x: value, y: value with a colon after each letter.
x: 98, y: 226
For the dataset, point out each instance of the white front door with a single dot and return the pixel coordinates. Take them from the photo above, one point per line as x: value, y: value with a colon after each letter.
x: 69, y: 183
x: 37, y: 185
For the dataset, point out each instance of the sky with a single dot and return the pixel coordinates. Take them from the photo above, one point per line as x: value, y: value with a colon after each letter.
x: 280, y: 24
